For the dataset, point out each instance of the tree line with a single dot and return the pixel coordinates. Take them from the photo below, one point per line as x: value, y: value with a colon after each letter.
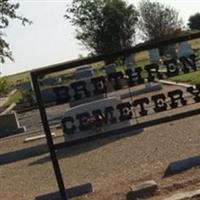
x: 106, y: 26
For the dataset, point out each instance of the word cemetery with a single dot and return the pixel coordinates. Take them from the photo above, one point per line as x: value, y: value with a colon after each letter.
x: 124, y: 111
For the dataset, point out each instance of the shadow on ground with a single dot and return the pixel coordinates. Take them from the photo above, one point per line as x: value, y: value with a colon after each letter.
x: 83, y: 148
x: 71, y: 151
x: 71, y: 192
x: 23, y: 154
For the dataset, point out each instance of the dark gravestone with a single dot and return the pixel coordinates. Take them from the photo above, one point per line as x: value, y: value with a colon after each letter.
x: 84, y: 72
x: 154, y: 56
x: 25, y: 86
x: 9, y: 125
x: 111, y: 68
x: 49, y: 81
x: 182, y: 165
x: 170, y: 52
x: 184, y: 50
x: 48, y: 95
x: 130, y: 62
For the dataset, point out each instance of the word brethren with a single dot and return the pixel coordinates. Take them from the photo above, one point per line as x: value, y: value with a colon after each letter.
x: 79, y: 90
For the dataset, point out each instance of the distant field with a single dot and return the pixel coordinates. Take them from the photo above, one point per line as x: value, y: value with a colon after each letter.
x: 140, y: 58
x: 24, y: 76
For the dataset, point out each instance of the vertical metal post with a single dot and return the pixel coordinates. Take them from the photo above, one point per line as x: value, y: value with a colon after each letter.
x: 131, y: 96
x: 49, y: 138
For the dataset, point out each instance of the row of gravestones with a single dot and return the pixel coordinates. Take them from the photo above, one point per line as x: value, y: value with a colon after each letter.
x: 184, y: 49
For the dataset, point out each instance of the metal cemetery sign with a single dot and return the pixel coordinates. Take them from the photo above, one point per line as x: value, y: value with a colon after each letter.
x: 97, y: 101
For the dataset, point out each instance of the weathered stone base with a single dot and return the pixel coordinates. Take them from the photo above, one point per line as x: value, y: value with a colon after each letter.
x: 144, y: 190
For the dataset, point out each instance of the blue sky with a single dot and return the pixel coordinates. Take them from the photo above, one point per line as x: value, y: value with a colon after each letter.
x: 51, y: 39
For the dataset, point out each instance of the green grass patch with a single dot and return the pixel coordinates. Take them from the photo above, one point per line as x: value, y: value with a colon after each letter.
x: 193, y: 78
x: 13, y: 79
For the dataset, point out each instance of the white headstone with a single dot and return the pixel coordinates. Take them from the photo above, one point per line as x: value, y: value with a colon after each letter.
x: 89, y: 108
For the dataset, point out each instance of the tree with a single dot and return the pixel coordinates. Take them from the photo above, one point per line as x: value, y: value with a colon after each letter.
x: 158, y: 21
x: 7, y: 13
x: 103, y: 26
x: 194, y: 21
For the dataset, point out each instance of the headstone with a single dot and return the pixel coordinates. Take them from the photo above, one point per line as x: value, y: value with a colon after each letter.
x: 170, y: 52
x: 144, y: 190
x: 9, y: 125
x: 130, y: 62
x: 182, y: 165
x: 84, y: 72
x: 111, y: 68
x: 48, y: 95
x: 49, y: 81
x: 154, y: 56
x: 26, y: 89
x: 184, y: 50
x: 101, y: 105
x: 25, y: 86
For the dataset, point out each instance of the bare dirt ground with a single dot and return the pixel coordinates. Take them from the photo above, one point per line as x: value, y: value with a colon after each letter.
x: 112, y: 165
